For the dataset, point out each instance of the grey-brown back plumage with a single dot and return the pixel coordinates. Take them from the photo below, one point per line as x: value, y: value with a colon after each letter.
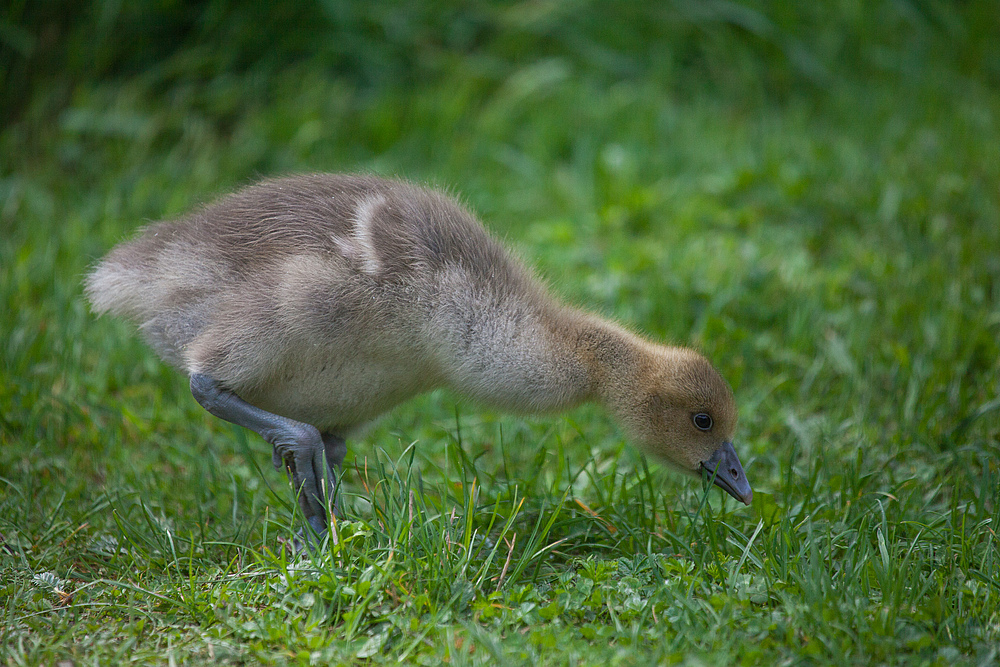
x: 274, y: 282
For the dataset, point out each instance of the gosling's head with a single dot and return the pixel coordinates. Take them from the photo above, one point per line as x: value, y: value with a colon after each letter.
x: 678, y: 407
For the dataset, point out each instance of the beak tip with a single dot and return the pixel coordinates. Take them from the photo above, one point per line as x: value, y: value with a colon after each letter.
x: 723, y: 460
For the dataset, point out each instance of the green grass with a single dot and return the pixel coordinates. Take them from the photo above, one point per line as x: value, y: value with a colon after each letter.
x: 807, y: 194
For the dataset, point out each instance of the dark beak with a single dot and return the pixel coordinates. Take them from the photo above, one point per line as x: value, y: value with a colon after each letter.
x: 728, y: 472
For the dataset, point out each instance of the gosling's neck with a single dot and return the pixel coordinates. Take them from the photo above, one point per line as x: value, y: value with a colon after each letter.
x: 554, y: 362
x: 613, y: 359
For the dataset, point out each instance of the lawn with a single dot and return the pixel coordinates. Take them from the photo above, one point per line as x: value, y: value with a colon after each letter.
x: 808, y: 193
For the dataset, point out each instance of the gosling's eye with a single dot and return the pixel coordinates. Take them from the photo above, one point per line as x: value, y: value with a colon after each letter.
x: 702, y: 421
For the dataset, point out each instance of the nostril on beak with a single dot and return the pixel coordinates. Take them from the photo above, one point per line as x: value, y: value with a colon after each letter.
x: 735, y: 473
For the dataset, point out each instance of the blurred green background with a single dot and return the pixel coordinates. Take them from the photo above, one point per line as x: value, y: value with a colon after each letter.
x: 807, y: 192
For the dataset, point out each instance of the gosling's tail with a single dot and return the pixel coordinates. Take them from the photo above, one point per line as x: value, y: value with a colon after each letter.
x: 153, y: 286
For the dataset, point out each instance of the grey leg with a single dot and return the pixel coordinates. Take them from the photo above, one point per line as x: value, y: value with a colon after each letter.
x: 298, y: 447
x: 336, y: 449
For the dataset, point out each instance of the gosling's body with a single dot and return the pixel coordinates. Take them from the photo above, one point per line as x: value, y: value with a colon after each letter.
x: 329, y: 299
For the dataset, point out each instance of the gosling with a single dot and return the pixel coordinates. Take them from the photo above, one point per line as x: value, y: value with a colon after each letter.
x: 304, y: 307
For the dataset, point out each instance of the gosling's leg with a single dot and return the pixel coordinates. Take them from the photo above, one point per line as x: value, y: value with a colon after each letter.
x: 298, y: 447
x: 335, y: 449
